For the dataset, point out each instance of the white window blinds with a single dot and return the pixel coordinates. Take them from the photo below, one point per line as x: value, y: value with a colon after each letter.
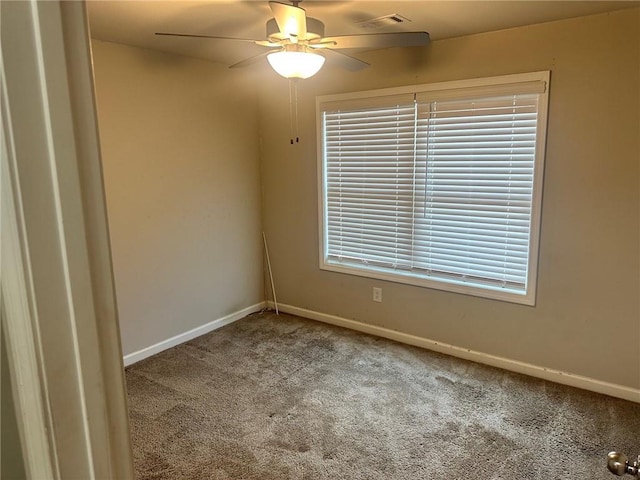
x: 370, y: 184
x: 433, y: 187
x: 475, y: 216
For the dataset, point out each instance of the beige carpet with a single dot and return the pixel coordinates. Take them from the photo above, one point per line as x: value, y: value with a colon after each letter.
x: 276, y: 398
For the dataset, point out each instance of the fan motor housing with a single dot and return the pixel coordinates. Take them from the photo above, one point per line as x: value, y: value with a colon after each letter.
x: 315, y: 29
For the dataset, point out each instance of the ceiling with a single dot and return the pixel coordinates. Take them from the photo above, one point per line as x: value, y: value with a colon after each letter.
x: 135, y: 22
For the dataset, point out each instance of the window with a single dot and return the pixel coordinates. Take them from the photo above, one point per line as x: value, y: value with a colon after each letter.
x: 436, y: 185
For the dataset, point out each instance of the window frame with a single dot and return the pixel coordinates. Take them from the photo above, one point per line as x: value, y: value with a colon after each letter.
x: 447, y: 90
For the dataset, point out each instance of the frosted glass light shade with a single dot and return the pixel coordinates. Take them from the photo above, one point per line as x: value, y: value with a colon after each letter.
x: 296, y: 64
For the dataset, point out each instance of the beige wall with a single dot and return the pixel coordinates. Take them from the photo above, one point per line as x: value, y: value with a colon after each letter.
x: 180, y: 152
x: 587, y: 317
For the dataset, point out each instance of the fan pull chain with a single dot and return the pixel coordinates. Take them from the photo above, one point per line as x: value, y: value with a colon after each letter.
x: 291, y: 109
x: 295, y: 101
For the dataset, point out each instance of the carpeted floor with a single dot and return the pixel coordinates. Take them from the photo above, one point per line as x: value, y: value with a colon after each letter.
x: 276, y: 398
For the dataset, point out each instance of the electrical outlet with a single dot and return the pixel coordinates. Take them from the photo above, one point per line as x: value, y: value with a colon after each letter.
x: 377, y: 294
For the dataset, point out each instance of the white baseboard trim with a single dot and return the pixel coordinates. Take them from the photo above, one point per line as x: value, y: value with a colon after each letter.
x: 586, y: 383
x: 135, y: 357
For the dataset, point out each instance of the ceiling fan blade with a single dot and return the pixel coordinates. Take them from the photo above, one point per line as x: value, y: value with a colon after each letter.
x: 267, y: 43
x: 250, y: 60
x: 322, y: 44
x: 345, y: 61
x: 292, y: 21
x: 380, y: 40
x: 258, y: 42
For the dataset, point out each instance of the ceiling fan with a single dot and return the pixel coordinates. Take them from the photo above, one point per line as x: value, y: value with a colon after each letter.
x: 297, y: 38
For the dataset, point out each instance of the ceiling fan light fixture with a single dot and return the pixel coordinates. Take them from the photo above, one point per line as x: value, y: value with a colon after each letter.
x: 291, y: 64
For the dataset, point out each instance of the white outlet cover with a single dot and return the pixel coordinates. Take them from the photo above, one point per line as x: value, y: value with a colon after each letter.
x: 377, y: 294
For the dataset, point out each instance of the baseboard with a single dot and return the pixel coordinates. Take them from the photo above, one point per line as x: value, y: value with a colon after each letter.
x: 565, y: 378
x: 134, y: 357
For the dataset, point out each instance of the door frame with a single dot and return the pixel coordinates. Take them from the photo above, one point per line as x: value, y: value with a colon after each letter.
x: 58, y: 298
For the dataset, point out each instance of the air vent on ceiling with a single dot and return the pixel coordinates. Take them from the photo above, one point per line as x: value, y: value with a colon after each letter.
x: 384, y: 21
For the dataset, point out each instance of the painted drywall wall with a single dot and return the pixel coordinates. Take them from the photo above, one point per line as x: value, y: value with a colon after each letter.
x: 180, y: 157
x: 587, y: 317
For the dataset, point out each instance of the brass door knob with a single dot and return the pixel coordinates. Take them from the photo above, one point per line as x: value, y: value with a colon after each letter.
x: 618, y: 464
